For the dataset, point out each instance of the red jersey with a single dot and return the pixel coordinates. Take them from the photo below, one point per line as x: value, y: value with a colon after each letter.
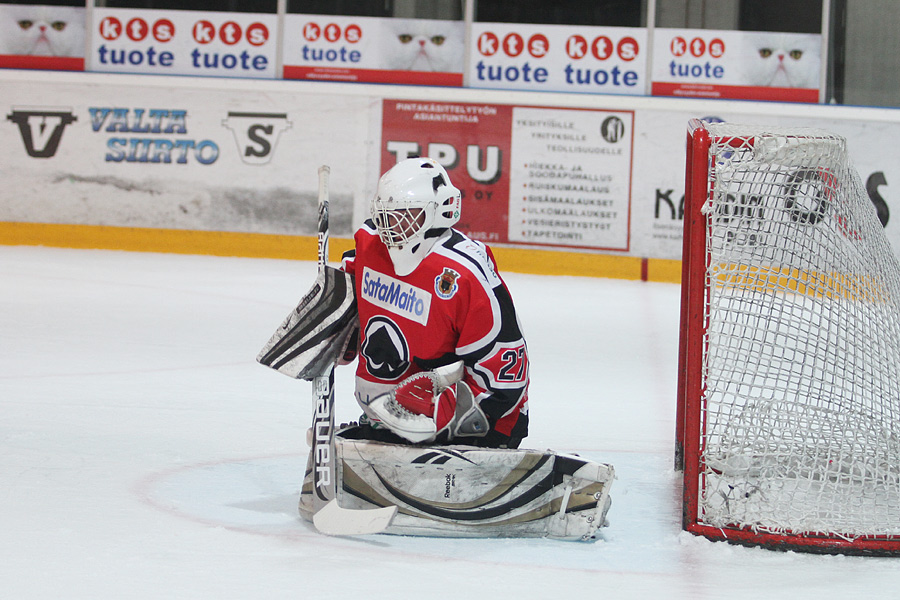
x: 453, y: 306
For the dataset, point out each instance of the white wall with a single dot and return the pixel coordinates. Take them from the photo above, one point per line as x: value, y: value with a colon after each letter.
x: 102, y: 173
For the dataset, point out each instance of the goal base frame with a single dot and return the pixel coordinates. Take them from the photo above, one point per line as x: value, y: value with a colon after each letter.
x: 862, y: 546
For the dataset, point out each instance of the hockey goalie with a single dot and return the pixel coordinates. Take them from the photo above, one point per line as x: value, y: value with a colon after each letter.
x: 442, y: 380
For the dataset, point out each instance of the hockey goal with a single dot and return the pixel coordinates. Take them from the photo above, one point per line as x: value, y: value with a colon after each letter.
x: 788, y: 426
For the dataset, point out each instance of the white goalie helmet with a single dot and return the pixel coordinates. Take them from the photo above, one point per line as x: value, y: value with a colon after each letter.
x: 413, y: 205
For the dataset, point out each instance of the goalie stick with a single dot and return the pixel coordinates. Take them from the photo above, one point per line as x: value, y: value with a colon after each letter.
x: 329, y: 517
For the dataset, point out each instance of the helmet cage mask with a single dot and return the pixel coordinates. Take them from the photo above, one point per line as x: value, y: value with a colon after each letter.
x: 397, y: 226
x: 415, y: 203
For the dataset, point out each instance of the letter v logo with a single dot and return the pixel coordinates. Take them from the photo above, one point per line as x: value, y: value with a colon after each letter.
x: 41, y: 130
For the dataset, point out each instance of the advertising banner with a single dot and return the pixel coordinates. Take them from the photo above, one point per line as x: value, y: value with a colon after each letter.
x: 184, y: 42
x: 571, y: 177
x: 172, y: 155
x: 748, y: 65
x: 562, y: 58
x: 374, y: 50
x: 42, y: 37
x: 534, y: 176
x: 658, y: 188
x: 471, y: 141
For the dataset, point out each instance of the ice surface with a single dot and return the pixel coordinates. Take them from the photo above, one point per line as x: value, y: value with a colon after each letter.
x: 144, y: 454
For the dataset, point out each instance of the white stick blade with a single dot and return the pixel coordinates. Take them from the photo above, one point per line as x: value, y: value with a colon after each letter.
x: 331, y: 519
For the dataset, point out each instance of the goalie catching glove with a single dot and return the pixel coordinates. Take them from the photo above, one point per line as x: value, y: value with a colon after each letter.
x: 430, y: 403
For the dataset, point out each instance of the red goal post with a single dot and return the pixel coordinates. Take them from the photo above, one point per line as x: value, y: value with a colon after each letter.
x: 788, y: 421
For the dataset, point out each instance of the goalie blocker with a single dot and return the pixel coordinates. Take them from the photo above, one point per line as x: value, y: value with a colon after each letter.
x: 316, y: 334
x: 464, y: 491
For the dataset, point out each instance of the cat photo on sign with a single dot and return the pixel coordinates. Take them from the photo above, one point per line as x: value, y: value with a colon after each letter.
x: 782, y: 60
x: 422, y: 45
x: 37, y: 30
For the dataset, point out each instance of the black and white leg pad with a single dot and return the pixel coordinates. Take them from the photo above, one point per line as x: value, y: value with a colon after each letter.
x: 462, y: 491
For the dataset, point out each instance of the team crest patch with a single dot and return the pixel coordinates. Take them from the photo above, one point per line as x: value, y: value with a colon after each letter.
x: 445, y: 284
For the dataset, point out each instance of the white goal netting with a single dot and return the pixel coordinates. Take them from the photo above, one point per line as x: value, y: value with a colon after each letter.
x: 800, y: 413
